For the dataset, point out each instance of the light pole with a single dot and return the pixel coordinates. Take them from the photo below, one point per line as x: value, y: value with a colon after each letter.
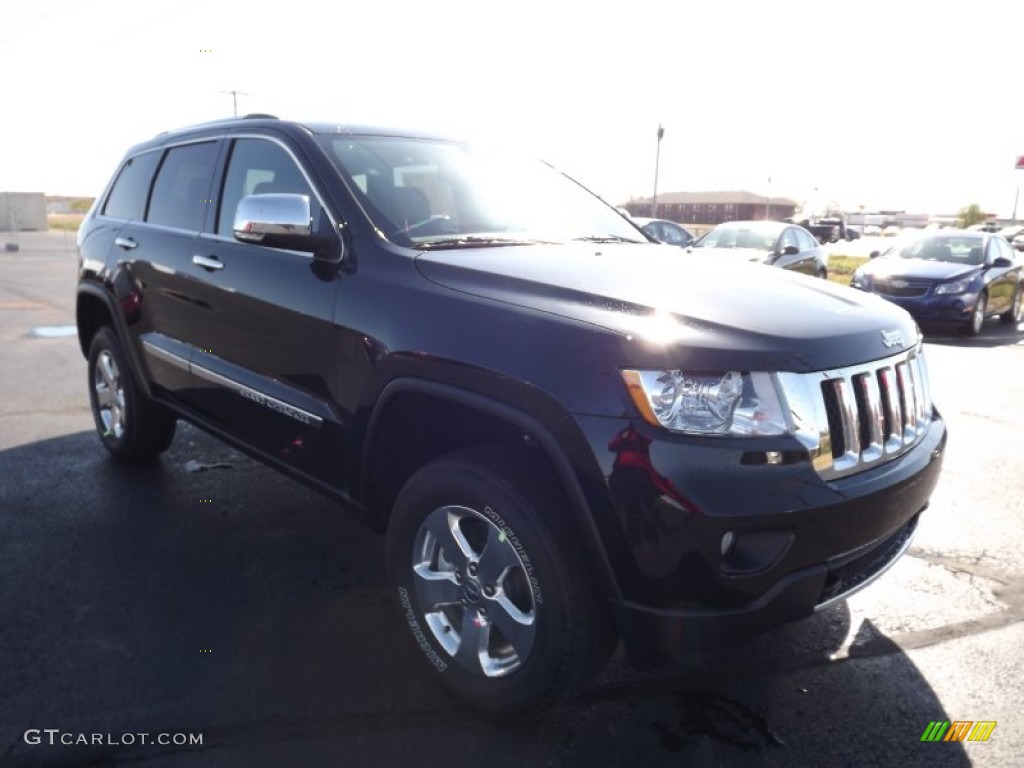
x: 657, y: 162
x: 1018, y: 167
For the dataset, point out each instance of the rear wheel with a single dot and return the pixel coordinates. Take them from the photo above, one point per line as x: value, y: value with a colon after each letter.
x: 493, y: 585
x: 977, y: 321
x: 1013, y: 316
x: 132, y: 427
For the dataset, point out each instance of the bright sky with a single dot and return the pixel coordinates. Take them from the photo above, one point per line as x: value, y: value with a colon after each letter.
x: 900, y: 105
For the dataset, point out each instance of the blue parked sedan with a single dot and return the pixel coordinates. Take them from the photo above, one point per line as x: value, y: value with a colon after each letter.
x: 950, y: 277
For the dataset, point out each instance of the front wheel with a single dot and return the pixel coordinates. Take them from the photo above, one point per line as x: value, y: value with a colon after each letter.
x: 1013, y: 316
x: 977, y: 321
x: 492, y: 584
x: 131, y: 426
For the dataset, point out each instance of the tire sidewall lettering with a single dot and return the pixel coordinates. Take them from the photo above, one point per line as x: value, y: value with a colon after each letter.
x: 409, y: 613
x: 512, y: 539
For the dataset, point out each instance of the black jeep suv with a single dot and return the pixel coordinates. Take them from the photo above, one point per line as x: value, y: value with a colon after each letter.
x: 569, y: 434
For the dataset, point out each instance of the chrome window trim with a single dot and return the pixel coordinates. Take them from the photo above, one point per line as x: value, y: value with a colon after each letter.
x: 335, y: 226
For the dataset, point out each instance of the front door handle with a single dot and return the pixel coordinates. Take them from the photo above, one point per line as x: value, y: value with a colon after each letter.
x: 208, y: 262
x: 126, y: 242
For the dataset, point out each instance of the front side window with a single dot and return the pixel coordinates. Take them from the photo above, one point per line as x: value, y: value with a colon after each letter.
x: 788, y: 238
x: 257, y: 167
x: 182, y: 187
x: 1002, y: 248
x: 672, y: 235
x: 127, y: 198
x: 433, y: 194
x: 805, y: 240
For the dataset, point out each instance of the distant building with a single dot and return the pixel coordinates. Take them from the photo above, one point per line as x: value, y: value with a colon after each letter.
x: 713, y: 207
x: 22, y: 211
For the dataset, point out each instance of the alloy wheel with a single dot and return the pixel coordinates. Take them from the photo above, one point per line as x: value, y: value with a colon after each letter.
x: 110, y: 400
x: 978, y: 316
x: 473, y: 591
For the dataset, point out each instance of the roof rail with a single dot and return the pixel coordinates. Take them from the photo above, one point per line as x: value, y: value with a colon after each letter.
x: 259, y: 116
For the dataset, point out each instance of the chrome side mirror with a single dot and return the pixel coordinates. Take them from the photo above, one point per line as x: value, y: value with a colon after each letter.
x: 276, y: 220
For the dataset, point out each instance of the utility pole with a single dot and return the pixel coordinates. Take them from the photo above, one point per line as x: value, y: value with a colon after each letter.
x: 234, y: 99
x: 657, y: 162
x: 1019, y: 166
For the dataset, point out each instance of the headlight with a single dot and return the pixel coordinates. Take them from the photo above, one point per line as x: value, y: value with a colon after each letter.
x: 861, y: 280
x: 730, y: 403
x: 957, y: 286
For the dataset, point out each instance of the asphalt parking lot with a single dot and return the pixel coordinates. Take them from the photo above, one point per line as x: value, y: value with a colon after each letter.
x: 209, y: 595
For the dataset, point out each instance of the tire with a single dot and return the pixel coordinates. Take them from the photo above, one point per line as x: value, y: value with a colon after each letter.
x: 1013, y: 316
x: 822, y: 273
x: 493, y: 585
x: 977, y: 321
x: 131, y: 426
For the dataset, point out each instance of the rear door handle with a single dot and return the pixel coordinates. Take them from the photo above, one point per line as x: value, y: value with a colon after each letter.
x: 207, y: 262
x: 126, y: 242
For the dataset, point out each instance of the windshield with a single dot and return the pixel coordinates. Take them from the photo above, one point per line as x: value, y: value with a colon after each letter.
x: 957, y: 249
x: 426, y: 193
x: 758, y: 235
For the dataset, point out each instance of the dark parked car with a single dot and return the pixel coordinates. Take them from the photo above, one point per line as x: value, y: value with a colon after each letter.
x: 665, y: 231
x: 767, y: 242
x: 951, y: 277
x: 569, y: 437
x: 985, y: 226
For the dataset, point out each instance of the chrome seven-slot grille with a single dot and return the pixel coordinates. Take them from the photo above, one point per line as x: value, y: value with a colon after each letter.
x: 856, y: 417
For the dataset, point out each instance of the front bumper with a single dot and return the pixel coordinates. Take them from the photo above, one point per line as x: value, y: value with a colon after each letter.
x: 712, y: 552
x: 953, y: 309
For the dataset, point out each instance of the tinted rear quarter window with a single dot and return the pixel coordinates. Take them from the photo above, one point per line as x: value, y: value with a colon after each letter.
x: 181, y: 191
x: 127, y: 198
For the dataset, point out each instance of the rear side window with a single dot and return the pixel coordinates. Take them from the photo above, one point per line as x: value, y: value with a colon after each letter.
x: 127, y: 198
x: 182, y: 188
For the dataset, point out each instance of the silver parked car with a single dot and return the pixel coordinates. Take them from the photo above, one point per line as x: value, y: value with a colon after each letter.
x: 769, y: 242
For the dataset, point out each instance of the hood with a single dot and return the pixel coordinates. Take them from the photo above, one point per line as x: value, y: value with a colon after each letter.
x: 921, y: 269
x: 685, y: 310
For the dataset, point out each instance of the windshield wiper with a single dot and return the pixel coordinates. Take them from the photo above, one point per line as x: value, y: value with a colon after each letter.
x: 606, y: 239
x: 472, y: 241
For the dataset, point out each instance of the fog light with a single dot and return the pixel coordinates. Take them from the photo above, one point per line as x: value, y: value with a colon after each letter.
x: 745, y: 553
x: 773, y: 457
x: 728, y: 539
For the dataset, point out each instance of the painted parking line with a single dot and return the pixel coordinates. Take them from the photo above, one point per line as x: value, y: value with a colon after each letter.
x: 53, y: 331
